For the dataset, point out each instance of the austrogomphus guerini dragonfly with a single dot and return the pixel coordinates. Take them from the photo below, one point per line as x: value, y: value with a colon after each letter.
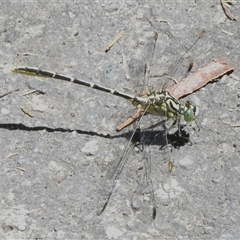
x: 159, y: 102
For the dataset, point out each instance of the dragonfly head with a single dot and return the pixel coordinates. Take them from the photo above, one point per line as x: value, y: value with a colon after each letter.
x: 190, y: 111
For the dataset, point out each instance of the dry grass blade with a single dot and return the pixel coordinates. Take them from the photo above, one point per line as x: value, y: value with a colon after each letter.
x: 9, y: 92
x: 30, y: 92
x: 231, y: 124
x: 225, y: 5
x: 25, y: 111
x: 11, y: 155
x: 109, y: 46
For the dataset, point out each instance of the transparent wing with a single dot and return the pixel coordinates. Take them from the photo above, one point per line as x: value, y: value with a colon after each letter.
x: 151, y: 46
x: 171, y: 78
x: 140, y: 65
x: 113, y: 176
x: 144, y: 190
x: 167, y: 79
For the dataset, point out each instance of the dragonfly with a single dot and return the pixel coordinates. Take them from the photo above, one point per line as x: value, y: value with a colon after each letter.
x: 159, y: 102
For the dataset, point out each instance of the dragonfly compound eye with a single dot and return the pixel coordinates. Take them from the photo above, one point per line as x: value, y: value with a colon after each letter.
x: 190, y: 111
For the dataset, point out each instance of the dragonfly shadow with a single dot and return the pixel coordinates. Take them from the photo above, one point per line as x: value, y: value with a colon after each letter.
x: 144, y: 137
x: 178, y: 141
x: 158, y: 137
x: 22, y: 127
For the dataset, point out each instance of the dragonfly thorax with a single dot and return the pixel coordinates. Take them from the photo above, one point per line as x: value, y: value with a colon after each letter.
x: 164, y: 104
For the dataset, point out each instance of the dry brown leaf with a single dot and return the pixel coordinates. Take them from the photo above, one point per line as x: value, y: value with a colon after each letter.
x: 197, y: 80
x: 130, y: 120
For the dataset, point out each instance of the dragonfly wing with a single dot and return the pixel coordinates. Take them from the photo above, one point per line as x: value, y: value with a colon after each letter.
x: 112, y: 177
x: 140, y: 65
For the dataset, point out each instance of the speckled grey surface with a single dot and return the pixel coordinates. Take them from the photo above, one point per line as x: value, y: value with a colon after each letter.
x: 53, y: 164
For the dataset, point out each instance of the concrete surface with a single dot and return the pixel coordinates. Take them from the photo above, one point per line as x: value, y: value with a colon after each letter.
x: 54, y: 164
